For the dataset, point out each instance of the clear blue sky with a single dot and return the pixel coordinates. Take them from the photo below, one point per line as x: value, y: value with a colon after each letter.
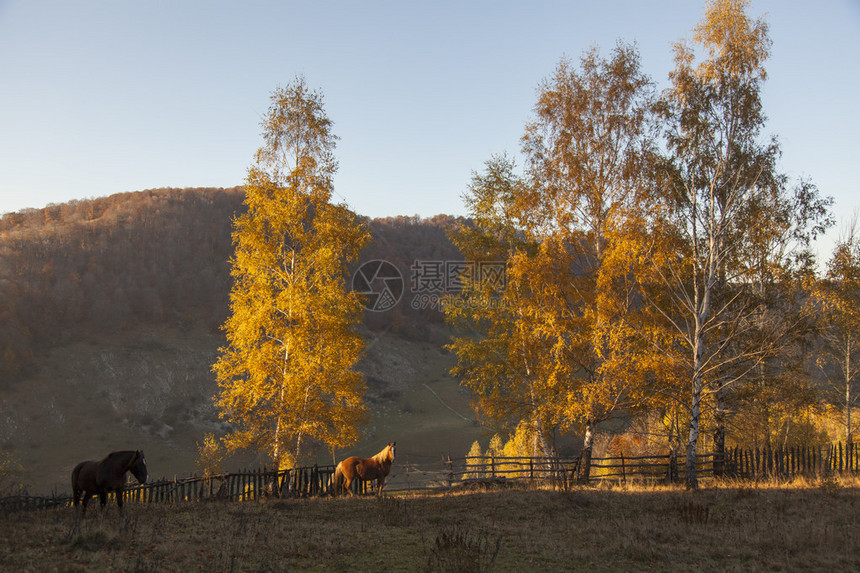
x: 101, y: 97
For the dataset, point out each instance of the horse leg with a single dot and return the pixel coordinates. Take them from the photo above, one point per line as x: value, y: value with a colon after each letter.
x: 119, y: 500
x: 103, y: 500
x: 347, y: 483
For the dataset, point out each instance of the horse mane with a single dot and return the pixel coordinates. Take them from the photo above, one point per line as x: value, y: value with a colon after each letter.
x: 135, y: 455
x: 119, y: 453
x: 383, y: 456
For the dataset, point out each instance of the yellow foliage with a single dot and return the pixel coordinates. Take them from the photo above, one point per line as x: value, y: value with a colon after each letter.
x: 836, y: 304
x: 287, y: 373
x: 210, y: 455
x: 475, y: 461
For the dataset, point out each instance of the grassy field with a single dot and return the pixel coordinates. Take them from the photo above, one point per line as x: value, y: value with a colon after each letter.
x: 809, y: 528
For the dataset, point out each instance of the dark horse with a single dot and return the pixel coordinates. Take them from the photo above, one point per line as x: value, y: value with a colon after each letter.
x: 376, y: 468
x: 100, y: 477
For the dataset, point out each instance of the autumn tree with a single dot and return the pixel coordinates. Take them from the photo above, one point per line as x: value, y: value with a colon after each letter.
x: 501, y: 356
x: 551, y: 355
x: 287, y: 373
x: 587, y: 150
x: 836, y: 300
x: 475, y: 462
x: 695, y: 281
x: 769, y: 406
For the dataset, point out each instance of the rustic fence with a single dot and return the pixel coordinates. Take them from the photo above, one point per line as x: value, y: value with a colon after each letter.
x: 244, y: 485
x: 477, y: 470
x: 445, y: 473
x: 792, y: 462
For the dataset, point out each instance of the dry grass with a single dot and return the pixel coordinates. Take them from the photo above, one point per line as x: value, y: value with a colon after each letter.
x: 779, y: 527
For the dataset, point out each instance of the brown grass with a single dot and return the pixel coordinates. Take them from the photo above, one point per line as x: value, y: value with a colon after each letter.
x: 779, y: 527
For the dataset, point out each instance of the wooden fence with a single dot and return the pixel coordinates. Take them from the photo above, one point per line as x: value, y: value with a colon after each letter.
x: 444, y: 473
x: 247, y: 485
x: 497, y: 469
x: 792, y: 462
x: 239, y: 486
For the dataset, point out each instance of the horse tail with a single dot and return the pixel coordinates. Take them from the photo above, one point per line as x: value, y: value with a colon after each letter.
x: 337, y: 479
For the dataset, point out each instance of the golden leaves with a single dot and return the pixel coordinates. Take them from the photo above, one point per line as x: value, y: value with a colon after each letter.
x: 288, y: 371
x: 736, y: 44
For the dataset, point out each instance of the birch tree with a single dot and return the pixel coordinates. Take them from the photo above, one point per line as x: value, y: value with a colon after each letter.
x: 836, y: 300
x: 552, y: 353
x: 287, y: 374
x: 778, y: 260
x: 501, y: 355
x: 695, y: 281
x: 587, y: 149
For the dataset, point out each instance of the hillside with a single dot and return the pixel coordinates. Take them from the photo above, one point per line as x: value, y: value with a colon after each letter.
x: 109, y: 323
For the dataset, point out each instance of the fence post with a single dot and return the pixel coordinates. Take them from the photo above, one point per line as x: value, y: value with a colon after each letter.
x: 294, y: 482
x: 730, y: 461
x: 781, y: 462
x: 819, y: 464
x: 801, y: 460
x: 756, y: 461
x: 740, y: 468
x: 672, y: 466
x: 840, y: 457
x: 739, y: 461
x: 315, y: 474
x: 794, y: 471
x: 768, y: 461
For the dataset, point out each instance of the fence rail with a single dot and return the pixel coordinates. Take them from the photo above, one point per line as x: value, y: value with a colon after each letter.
x: 239, y: 486
x: 496, y: 469
x: 446, y: 473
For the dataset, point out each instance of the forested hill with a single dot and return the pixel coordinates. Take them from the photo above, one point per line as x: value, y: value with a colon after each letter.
x: 92, y: 268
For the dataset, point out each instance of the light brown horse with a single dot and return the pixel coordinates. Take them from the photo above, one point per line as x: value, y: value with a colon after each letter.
x: 367, y: 469
x: 108, y: 474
